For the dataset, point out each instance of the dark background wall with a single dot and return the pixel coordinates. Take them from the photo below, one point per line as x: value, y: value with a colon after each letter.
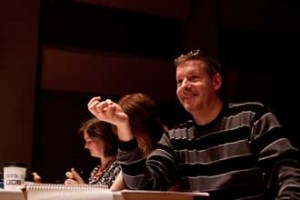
x: 18, y: 62
x: 111, y: 48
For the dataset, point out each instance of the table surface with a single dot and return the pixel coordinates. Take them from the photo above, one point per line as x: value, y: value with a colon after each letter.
x: 11, y: 195
x: 121, y: 195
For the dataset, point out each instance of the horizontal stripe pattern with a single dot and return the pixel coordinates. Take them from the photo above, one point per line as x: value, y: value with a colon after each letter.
x: 224, y: 157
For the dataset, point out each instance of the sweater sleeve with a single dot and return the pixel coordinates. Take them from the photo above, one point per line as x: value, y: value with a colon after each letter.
x: 277, y: 156
x: 286, y: 179
x: 156, y: 172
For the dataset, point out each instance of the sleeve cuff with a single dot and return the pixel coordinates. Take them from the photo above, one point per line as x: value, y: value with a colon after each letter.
x: 128, y: 146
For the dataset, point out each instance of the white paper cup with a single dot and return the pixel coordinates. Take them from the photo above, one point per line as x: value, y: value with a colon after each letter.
x: 14, y: 176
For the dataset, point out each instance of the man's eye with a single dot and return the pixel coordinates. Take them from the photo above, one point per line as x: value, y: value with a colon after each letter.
x: 194, y: 78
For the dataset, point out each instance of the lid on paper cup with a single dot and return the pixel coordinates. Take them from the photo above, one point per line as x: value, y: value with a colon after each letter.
x: 15, y: 164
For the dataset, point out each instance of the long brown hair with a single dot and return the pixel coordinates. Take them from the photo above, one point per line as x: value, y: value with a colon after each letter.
x: 144, y: 119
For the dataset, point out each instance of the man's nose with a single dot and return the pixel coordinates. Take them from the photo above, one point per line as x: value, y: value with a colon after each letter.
x: 186, y: 83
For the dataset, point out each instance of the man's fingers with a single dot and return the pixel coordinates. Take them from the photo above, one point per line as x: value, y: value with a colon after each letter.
x: 94, y: 99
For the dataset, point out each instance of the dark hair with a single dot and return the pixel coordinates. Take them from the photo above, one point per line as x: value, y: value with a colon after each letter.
x: 213, y: 66
x: 144, y: 119
x: 102, y: 130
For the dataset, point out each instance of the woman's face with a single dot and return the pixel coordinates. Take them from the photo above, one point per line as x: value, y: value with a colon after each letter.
x: 95, y: 145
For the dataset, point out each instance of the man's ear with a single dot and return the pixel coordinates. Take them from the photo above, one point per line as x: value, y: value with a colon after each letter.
x: 217, y: 81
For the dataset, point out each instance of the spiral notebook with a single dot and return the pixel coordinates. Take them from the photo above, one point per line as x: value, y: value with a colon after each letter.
x: 50, y: 191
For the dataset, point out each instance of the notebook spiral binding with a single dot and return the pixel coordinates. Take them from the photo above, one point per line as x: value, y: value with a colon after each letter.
x: 57, y: 186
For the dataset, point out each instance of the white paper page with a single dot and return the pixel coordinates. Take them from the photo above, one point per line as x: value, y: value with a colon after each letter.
x: 101, y: 194
x: 162, y: 195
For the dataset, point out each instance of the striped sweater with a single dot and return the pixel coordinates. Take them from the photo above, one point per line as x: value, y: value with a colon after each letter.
x: 242, y: 154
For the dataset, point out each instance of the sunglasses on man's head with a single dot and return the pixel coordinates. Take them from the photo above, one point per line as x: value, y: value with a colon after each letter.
x: 195, y: 52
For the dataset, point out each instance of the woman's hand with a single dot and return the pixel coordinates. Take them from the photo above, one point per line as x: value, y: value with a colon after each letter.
x: 73, y: 178
x: 36, y: 177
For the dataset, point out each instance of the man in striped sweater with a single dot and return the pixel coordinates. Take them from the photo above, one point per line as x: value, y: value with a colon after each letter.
x: 232, y: 151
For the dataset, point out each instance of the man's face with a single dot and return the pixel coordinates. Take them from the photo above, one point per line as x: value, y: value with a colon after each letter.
x: 195, y: 89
